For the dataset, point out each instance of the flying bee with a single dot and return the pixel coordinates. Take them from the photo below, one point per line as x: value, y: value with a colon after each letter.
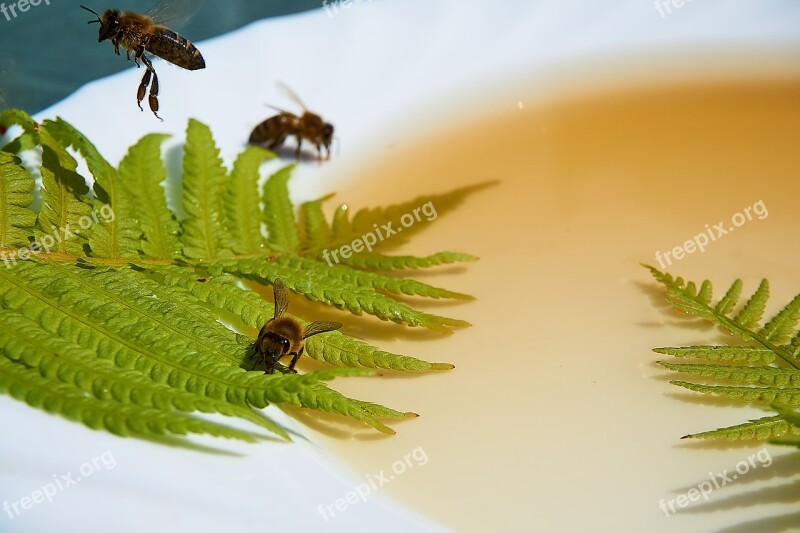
x: 143, y: 34
x: 309, y: 126
x: 283, y: 335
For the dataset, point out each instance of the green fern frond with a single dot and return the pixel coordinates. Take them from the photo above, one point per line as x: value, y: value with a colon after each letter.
x: 684, y: 296
x: 783, y: 325
x: 317, y: 231
x: 63, y: 197
x: 733, y: 354
x: 374, y: 261
x: 750, y: 315
x: 143, y: 171
x: 120, y: 327
x: 793, y: 417
x: 316, y: 284
x: 29, y: 139
x: 17, y: 219
x: 728, y: 302
x: 776, y: 377
x: 241, y: 202
x: 764, y: 373
x: 203, y: 187
x: 790, y: 417
x: 374, y: 219
x: 341, y: 350
x: 282, y: 231
x: 29, y: 386
x: 334, y: 348
x: 117, y: 237
x: 786, y: 396
x: 762, y: 429
x: 369, y: 280
x: 58, y: 359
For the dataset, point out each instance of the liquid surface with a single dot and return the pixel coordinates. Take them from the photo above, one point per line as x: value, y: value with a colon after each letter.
x: 555, y: 416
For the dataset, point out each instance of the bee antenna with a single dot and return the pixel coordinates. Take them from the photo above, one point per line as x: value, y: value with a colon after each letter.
x: 93, y: 13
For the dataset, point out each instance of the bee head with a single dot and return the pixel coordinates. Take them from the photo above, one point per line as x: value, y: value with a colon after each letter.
x: 284, y: 342
x: 327, y: 135
x: 108, y: 23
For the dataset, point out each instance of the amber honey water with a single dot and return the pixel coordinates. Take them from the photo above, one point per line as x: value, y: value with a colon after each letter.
x: 555, y: 400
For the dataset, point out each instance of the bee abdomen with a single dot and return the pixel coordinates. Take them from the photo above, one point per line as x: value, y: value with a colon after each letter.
x: 176, y: 49
x: 272, y: 132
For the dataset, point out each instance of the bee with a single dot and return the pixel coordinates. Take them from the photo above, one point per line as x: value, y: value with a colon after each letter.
x: 309, y: 126
x: 283, y: 335
x: 140, y: 35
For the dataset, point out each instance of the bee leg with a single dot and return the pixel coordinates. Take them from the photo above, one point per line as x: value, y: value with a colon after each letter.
x: 143, y: 88
x: 299, y: 146
x: 295, y: 358
x: 116, y: 47
x: 153, y: 96
x: 253, y: 355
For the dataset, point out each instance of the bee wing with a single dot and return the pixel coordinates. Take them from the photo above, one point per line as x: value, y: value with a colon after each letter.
x: 279, y: 110
x: 319, y: 327
x: 292, y: 95
x: 281, y: 303
x: 174, y: 12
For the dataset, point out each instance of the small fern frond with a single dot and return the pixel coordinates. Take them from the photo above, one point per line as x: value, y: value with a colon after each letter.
x: 341, y: 350
x: 63, y: 199
x: 423, y: 210
x: 752, y: 370
x: 776, y: 377
x: 750, y: 315
x: 786, y: 396
x: 780, y: 329
x: 29, y: 386
x: 17, y: 117
x: 333, y: 348
x: 282, y: 234
x: 56, y: 358
x: 144, y: 172
x: 733, y: 354
x: 368, y: 280
x: 684, y: 297
x: 118, y: 237
x: 241, y: 202
x: 790, y: 417
x: 317, y: 231
x: 315, y: 284
x: 204, y: 180
x: 17, y: 219
x: 762, y: 429
x: 728, y: 302
x: 374, y: 261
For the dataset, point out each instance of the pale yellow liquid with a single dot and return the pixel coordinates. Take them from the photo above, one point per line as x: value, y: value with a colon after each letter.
x: 555, y: 416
